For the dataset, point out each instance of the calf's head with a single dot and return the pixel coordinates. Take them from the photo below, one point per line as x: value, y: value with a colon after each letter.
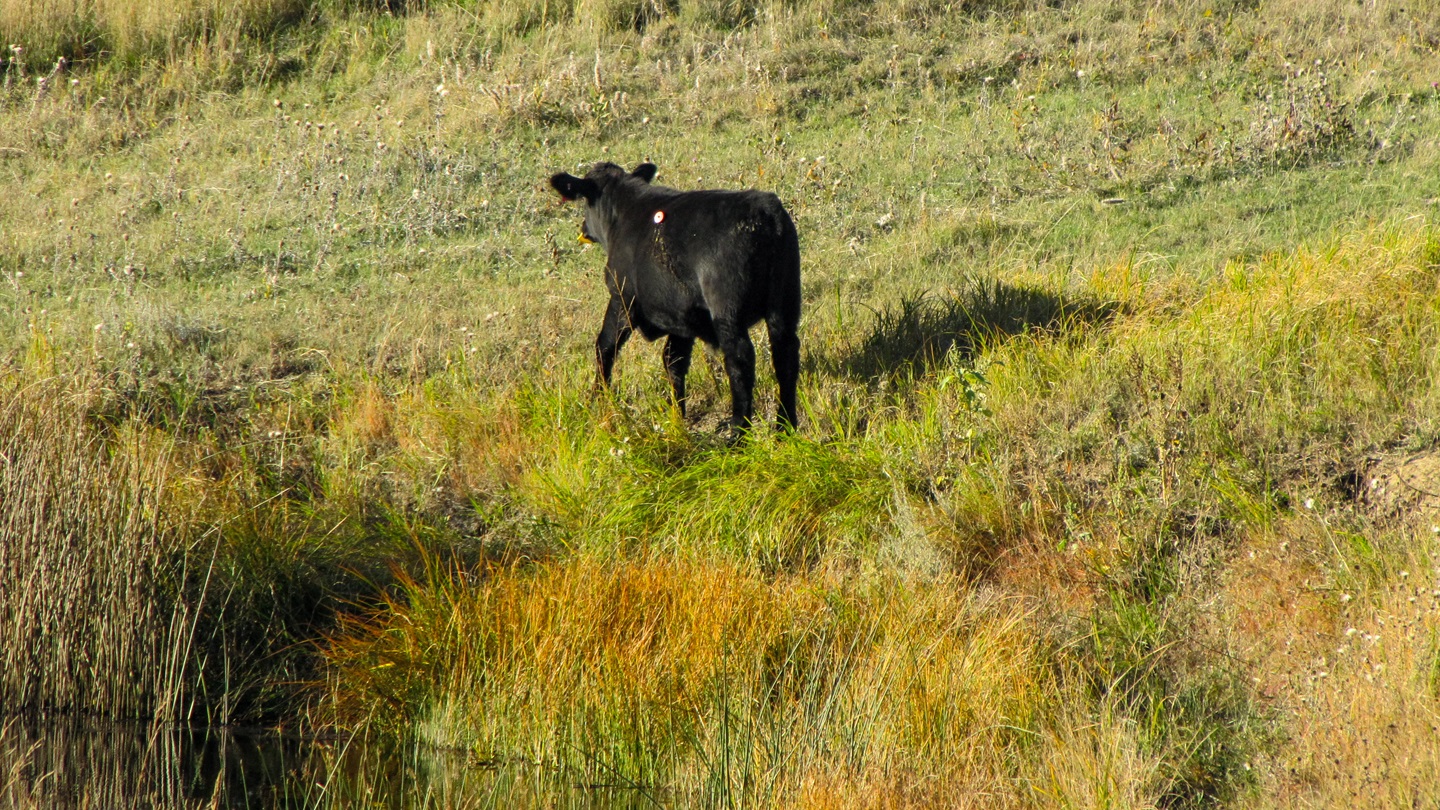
x: 602, y: 188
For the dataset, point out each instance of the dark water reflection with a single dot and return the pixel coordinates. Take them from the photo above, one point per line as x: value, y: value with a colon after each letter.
x: 111, y: 766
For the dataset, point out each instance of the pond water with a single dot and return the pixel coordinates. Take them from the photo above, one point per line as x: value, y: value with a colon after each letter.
x: 118, y: 766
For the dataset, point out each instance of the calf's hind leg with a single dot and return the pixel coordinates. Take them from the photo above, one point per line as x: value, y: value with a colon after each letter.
x: 677, y: 365
x: 785, y: 354
x: 740, y: 368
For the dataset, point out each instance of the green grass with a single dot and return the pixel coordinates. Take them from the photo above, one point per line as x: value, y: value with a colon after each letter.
x: 1112, y: 311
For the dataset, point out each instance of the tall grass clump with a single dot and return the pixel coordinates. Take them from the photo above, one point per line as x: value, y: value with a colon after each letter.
x: 94, y: 618
x: 783, y: 503
x: 134, y: 30
x: 704, y: 682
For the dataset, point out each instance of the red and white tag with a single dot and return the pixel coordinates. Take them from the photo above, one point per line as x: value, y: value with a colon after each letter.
x: 659, y: 217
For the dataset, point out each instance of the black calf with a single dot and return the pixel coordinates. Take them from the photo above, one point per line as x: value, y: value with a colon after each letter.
x: 694, y: 264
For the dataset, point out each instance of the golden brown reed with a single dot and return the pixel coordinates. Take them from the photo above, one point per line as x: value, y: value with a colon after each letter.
x: 91, y: 609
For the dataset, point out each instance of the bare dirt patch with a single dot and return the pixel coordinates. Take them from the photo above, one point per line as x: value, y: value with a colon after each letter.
x: 1404, y: 488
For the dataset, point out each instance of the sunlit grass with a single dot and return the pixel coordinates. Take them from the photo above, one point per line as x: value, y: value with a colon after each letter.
x: 700, y: 680
x: 1113, y: 312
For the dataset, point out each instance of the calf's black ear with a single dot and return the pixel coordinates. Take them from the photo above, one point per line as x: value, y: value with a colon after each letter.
x: 645, y: 171
x: 573, y: 188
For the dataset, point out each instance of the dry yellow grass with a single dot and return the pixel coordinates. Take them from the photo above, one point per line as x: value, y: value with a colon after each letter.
x: 1357, y: 682
x: 134, y: 29
x: 701, y: 679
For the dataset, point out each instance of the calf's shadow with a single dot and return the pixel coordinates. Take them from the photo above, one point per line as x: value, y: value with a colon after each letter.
x: 916, y: 333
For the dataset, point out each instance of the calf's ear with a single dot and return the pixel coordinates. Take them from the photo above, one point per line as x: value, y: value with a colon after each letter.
x: 573, y: 188
x: 645, y: 171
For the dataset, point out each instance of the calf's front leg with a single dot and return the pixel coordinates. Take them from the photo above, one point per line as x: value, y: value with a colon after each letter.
x: 613, y: 333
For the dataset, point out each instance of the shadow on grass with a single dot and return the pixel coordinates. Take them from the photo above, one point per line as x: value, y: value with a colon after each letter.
x: 916, y: 334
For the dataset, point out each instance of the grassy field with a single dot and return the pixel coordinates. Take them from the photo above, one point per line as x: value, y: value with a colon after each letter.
x: 1116, y: 478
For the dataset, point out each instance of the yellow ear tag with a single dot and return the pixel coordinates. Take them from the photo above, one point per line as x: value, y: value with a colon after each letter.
x: 585, y: 240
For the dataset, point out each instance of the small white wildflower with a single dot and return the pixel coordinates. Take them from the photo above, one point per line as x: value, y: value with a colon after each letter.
x: 1079, y: 74
x: 1309, y: 503
x: 1350, y: 631
x: 1345, y: 597
x: 1404, y: 574
x: 99, y: 326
